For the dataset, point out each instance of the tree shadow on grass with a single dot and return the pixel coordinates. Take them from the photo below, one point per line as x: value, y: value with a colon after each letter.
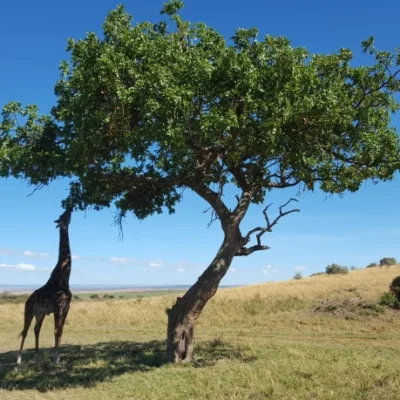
x: 87, y: 365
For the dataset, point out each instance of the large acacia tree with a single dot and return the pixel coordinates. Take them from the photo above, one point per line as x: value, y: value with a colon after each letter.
x: 148, y: 110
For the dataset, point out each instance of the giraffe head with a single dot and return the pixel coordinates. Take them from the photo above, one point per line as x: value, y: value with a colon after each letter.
x: 64, y: 220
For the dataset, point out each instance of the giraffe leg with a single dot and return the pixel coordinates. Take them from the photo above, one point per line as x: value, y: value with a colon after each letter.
x: 59, y: 321
x: 38, y: 326
x: 27, y: 323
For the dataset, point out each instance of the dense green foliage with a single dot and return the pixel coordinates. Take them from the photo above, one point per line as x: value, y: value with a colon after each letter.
x: 389, y: 299
x: 149, y: 109
x: 387, y: 261
x: 395, y: 287
x: 372, y: 265
x: 334, y: 269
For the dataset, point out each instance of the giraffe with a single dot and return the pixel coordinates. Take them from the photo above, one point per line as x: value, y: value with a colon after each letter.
x: 55, y: 296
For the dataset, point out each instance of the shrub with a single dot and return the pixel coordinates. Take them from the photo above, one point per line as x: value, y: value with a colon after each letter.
x: 108, y: 296
x: 335, y: 269
x: 353, y: 268
x: 395, y: 287
x: 94, y: 296
x: 389, y: 299
x: 76, y: 297
x: 387, y: 261
x: 372, y: 265
x: 298, y: 276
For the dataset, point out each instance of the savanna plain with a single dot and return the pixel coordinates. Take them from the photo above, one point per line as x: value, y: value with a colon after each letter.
x: 322, y: 337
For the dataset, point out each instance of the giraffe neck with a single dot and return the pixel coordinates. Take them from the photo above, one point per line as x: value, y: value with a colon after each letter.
x: 62, y: 270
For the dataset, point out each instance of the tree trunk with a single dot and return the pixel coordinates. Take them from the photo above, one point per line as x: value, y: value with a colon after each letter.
x: 183, y: 315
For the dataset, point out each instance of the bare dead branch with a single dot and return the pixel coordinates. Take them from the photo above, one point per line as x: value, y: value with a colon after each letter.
x: 215, y: 201
x: 214, y: 217
x: 244, y: 251
x: 38, y: 187
x: 208, y: 209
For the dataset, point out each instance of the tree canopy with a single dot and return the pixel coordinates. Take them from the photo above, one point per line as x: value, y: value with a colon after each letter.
x: 148, y: 109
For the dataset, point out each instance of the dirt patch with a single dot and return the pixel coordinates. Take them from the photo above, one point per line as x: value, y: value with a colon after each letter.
x: 349, y: 308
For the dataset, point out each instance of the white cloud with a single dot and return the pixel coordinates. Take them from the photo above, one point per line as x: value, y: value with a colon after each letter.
x: 268, y: 268
x: 32, y: 254
x: 75, y: 257
x: 180, y: 270
x: 20, y: 267
x: 155, y: 263
x: 233, y: 270
x: 119, y: 260
x: 299, y: 268
x: 124, y: 261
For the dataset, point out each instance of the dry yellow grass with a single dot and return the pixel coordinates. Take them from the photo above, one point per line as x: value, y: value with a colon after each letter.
x: 271, y: 343
x: 367, y: 283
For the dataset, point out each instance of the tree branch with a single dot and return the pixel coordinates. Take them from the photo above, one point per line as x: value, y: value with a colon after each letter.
x: 214, y: 200
x: 240, y: 178
x: 373, y: 90
x: 245, y: 251
x: 242, y: 206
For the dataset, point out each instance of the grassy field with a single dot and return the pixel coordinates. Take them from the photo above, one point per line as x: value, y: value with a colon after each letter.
x: 318, y: 338
x: 9, y: 298
x: 126, y: 295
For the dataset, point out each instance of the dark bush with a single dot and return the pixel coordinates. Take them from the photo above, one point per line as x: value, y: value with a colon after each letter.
x: 335, y: 269
x: 387, y: 261
x: 298, y: 276
x: 395, y: 287
x: 372, y: 265
x: 94, y: 296
x: 108, y: 296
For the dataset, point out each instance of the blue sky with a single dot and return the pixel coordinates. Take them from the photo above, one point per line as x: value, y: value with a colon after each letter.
x: 354, y: 230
